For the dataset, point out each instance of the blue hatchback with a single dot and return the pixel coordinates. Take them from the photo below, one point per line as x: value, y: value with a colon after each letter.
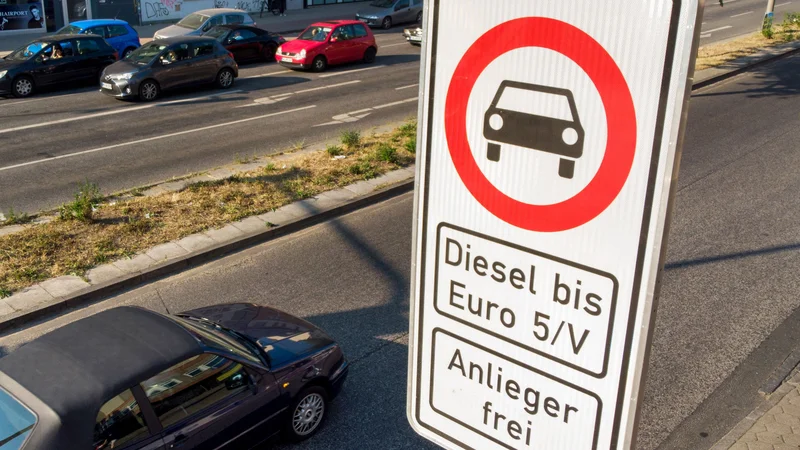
x: 118, y: 33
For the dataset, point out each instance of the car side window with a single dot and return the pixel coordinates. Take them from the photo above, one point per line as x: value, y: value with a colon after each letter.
x: 402, y: 4
x: 181, y: 52
x: 417, y: 2
x: 87, y: 46
x: 203, y: 49
x: 345, y: 32
x: 194, y: 385
x: 246, y: 34
x: 119, y: 422
x: 98, y: 31
x: 234, y: 18
x: 116, y: 30
x: 360, y: 31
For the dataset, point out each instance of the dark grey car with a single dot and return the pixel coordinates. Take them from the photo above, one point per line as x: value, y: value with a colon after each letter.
x: 385, y: 13
x: 167, y: 64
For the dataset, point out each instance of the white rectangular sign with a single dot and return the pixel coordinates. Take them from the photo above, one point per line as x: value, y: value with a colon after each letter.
x: 548, y: 140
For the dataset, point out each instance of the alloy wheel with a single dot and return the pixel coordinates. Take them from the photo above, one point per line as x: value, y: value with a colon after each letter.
x: 23, y: 87
x: 226, y: 78
x: 149, y: 91
x: 308, y: 414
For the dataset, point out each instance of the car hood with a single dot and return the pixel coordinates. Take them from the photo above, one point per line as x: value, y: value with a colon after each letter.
x: 174, y: 30
x: 372, y: 11
x: 296, y: 45
x: 262, y: 323
x: 122, y: 67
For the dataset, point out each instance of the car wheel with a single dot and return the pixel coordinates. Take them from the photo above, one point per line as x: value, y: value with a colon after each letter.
x: 387, y: 23
x: 319, y: 64
x: 306, y: 414
x: 22, y: 86
x: 149, y: 90
x: 369, y: 55
x: 269, y: 52
x: 225, y: 78
x: 419, y: 17
x: 127, y: 52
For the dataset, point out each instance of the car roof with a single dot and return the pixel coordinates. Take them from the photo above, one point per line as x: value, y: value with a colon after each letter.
x: 62, y: 37
x: 183, y: 39
x: 96, y: 22
x: 336, y: 23
x: 215, y: 11
x: 238, y: 26
x: 76, y: 368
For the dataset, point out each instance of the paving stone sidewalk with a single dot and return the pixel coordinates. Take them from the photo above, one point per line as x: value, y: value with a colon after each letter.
x: 777, y: 424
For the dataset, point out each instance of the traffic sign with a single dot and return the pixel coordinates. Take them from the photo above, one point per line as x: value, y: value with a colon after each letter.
x: 548, y: 139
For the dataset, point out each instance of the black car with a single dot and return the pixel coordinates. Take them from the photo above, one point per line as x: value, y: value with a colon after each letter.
x: 247, y: 43
x: 54, y: 60
x: 537, y: 117
x: 227, y: 376
x: 169, y: 63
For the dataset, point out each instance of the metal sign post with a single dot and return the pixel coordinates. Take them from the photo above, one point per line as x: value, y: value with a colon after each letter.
x: 548, y: 139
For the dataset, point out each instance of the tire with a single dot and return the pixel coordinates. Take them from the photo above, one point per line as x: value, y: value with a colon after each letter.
x: 319, y: 64
x: 126, y: 52
x: 493, y: 152
x: 22, y: 86
x: 269, y: 52
x: 387, y: 23
x: 225, y: 78
x: 369, y: 55
x: 149, y: 91
x: 306, y: 414
x: 419, y: 17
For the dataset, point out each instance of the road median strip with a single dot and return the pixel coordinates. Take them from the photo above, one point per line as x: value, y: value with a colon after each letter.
x: 99, y: 246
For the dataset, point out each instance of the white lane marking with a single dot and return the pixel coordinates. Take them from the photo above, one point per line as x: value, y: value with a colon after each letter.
x: 406, y: 87
x: 350, y: 71
x: 394, y: 45
x: 783, y: 4
x: 704, y: 36
x: 112, y: 112
x: 716, y: 29
x: 361, y: 113
x: 742, y: 14
x: 155, y: 138
x: 279, y: 97
x: 44, y: 98
x: 266, y: 74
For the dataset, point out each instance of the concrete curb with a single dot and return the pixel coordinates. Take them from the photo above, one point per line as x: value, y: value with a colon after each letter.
x: 713, y: 75
x: 401, y: 181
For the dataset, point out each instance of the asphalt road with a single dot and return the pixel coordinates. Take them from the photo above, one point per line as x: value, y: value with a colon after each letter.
x: 727, y: 313
x: 51, y: 143
x: 739, y: 17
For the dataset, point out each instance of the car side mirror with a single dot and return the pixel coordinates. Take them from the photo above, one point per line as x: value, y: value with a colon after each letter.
x: 334, y: 39
x: 229, y: 41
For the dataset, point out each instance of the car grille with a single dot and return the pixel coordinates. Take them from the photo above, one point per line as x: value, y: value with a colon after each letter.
x: 288, y: 54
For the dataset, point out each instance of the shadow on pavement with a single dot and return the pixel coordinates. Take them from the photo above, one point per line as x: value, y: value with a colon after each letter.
x: 780, y: 79
x: 731, y: 256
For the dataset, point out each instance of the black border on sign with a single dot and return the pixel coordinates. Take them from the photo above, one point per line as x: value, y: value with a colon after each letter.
x: 524, y: 366
x: 646, y: 216
x: 612, y: 309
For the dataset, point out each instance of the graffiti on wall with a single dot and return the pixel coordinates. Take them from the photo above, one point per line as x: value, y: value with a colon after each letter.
x: 163, y: 10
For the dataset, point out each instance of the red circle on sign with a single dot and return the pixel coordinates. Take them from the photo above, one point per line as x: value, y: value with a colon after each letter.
x: 620, y: 118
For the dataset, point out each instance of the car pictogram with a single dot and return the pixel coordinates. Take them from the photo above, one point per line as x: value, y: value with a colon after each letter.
x: 536, y: 117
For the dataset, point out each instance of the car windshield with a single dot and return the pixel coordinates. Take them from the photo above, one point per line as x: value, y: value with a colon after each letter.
x: 382, y: 3
x: 16, y: 422
x: 222, y: 338
x: 537, y: 103
x: 26, y: 52
x: 192, y: 21
x: 217, y: 32
x: 70, y: 29
x: 146, y: 53
x: 318, y: 34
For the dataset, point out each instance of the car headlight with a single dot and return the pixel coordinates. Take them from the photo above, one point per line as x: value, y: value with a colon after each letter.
x: 280, y: 49
x: 303, y: 53
x: 3, y: 73
x: 122, y: 76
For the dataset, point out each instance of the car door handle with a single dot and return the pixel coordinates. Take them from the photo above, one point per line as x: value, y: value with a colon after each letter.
x: 179, y: 440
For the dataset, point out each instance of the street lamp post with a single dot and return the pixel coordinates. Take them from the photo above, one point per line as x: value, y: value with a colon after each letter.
x: 768, y: 15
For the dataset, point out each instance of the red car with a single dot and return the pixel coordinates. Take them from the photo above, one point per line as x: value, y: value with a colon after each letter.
x: 329, y: 43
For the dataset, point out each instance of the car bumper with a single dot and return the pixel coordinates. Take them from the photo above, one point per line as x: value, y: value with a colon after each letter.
x: 338, y: 378
x: 294, y: 65
x: 5, y: 85
x: 369, y: 21
x: 119, y: 89
x: 414, y: 40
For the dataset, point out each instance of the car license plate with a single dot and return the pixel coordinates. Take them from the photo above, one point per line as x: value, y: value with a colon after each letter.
x: 415, y: 38
x: 286, y: 59
x: 107, y: 86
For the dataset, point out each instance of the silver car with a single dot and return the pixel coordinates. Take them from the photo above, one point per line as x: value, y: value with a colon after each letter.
x: 385, y: 13
x: 201, y: 21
